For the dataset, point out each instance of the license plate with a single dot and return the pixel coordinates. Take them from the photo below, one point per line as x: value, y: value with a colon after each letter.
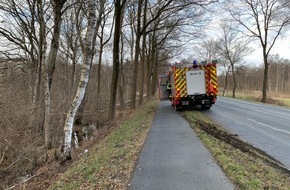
x: 184, y: 102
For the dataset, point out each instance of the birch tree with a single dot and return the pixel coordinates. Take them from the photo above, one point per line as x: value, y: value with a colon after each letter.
x: 85, y: 73
x: 101, y: 19
x: 50, y: 65
x: 264, y: 21
x: 73, y: 19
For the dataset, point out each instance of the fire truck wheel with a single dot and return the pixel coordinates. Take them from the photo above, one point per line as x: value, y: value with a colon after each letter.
x: 205, y: 107
x: 178, y: 108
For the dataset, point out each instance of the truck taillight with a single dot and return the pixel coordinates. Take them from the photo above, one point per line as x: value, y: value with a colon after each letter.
x: 177, y: 93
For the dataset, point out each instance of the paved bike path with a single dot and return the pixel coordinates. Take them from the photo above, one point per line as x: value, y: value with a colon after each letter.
x: 173, y: 158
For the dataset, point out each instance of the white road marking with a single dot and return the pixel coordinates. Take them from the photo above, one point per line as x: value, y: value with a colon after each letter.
x: 265, y: 125
x: 270, y: 135
x: 263, y: 112
x: 259, y: 110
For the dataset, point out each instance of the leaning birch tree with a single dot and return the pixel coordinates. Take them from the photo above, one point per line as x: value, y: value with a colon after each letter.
x: 85, y: 73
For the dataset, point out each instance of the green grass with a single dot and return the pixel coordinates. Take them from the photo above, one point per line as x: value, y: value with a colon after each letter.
x: 109, y: 164
x: 246, y: 171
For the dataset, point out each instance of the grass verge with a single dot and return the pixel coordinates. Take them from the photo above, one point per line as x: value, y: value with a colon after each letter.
x: 248, y: 169
x: 272, y: 98
x: 109, y: 164
x: 285, y: 101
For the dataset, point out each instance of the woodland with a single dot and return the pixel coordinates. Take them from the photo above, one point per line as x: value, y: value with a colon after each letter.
x: 69, y: 67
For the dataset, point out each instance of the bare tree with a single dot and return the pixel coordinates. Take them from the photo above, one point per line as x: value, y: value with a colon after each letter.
x: 165, y: 12
x: 208, y: 50
x: 101, y: 21
x: 143, y: 56
x: 226, y: 70
x: 136, y: 55
x: 22, y: 35
x: 278, y: 74
x: 85, y: 73
x: 50, y: 64
x: 103, y: 41
x: 263, y: 20
x: 119, y: 10
x: 71, y: 33
x: 30, y: 34
x: 232, y: 48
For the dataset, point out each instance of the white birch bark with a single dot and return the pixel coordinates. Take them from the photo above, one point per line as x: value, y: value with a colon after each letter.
x: 50, y: 66
x: 85, y: 72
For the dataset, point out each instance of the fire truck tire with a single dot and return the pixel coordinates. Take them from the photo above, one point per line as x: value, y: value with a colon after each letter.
x: 178, y: 108
x: 205, y: 107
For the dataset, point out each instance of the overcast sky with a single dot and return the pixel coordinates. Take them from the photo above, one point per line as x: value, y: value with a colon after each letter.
x: 281, y: 47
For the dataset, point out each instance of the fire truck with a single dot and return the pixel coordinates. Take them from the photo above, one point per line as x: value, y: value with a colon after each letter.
x: 190, y: 85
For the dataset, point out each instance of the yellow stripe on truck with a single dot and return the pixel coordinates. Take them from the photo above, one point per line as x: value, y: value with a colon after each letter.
x: 214, y: 78
x: 180, y: 82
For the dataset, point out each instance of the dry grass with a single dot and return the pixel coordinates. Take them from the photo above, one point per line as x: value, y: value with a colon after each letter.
x: 282, y: 99
x: 21, y: 139
x: 109, y: 164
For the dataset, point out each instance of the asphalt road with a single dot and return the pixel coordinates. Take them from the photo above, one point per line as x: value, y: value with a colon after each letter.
x: 174, y: 158
x: 267, y: 127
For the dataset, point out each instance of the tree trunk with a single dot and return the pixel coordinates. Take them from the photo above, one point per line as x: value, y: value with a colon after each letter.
x: 148, y: 71
x: 265, y: 80
x: 81, y: 109
x: 100, y: 18
x: 99, y: 67
x: 35, y: 83
x: 150, y: 65
x: 153, y: 59
x: 154, y: 73
x: 226, y: 84
x: 50, y: 66
x: 136, y: 57
x: 121, y: 79
x: 42, y: 62
x: 73, y: 72
x: 121, y: 87
x: 234, y: 81
x: 143, y: 59
x: 277, y: 79
x: 85, y: 73
x: 142, y: 70
x: 154, y: 80
x: 116, y: 61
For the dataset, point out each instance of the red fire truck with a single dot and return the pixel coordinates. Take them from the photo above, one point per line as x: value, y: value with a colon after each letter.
x: 190, y: 85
